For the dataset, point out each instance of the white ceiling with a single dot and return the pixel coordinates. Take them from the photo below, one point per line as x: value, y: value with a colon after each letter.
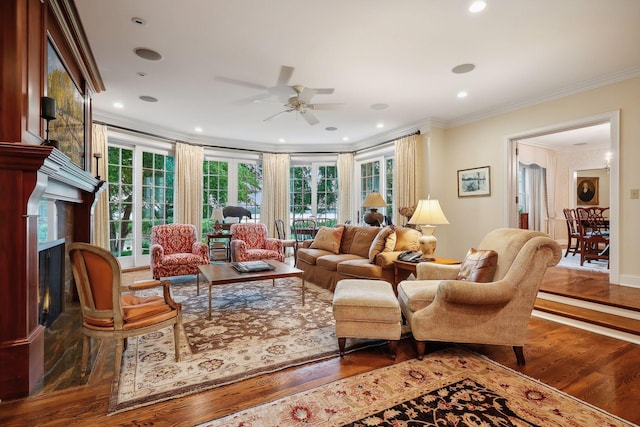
x: 398, y: 53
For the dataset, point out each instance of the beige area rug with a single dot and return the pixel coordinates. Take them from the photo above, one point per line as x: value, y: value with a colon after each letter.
x: 573, y: 262
x: 256, y: 328
x: 453, y: 387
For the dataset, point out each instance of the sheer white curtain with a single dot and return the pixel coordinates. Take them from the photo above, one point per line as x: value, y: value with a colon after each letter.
x: 345, y: 166
x: 188, y: 185
x: 535, y: 196
x: 404, y: 171
x: 101, y: 208
x: 275, y: 190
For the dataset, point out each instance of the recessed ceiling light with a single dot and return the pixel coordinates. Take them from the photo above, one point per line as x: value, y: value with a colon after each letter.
x: 198, y: 129
x: 380, y: 125
x: 379, y: 106
x: 477, y: 6
x: 282, y: 140
x: 147, y: 98
x: 331, y: 128
x: 139, y: 21
x: 345, y: 138
x: 462, y: 94
x: 148, y: 54
x: 463, y: 68
x: 118, y: 105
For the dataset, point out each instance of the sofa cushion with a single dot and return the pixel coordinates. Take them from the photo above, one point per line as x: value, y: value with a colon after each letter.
x: 330, y: 262
x: 362, y: 239
x: 360, y: 267
x: 328, y: 238
x: 310, y: 256
x: 478, y: 266
x: 407, y: 239
x: 379, y: 243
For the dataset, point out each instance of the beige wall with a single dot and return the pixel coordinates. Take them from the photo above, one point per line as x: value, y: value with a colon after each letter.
x: 482, y: 143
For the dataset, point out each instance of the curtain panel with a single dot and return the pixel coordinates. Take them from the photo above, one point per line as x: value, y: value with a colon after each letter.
x: 345, y: 166
x: 405, y: 172
x: 101, y: 208
x: 275, y: 191
x: 188, y: 185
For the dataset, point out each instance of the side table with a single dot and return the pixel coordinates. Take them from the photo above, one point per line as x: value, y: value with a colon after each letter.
x: 222, y: 234
x: 411, y: 267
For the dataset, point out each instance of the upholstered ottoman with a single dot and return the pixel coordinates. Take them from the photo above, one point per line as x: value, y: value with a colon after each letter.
x: 366, y: 309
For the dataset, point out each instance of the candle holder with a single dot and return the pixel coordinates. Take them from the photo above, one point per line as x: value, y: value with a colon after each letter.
x: 97, y: 156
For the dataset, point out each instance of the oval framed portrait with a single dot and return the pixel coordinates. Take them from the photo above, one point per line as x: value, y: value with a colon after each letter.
x: 587, y: 190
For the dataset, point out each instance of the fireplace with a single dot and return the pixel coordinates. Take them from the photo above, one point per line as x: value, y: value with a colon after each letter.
x: 51, y: 292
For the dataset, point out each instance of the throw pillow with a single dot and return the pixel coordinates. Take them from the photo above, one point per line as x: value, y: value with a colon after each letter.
x: 407, y: 239
x: 478, y: 266
x: 328, y: 238
x: 379, y: 244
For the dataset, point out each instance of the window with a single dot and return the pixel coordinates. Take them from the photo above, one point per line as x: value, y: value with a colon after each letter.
x: 215, y: 187
x: 369, y: 181
x: 157, y: 194
x: 300, y: 191
x: 327, y: 195
x: 388, y: 197
x: 120, y: 170
x: 375, y: 171
x: 250, y: 188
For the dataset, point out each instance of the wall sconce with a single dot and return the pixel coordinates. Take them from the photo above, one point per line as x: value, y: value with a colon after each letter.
x: 97, y: 156
x: 48, y: 112
x: 607, y: 162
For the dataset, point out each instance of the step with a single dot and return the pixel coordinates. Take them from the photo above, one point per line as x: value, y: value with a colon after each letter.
x: 626, y: 321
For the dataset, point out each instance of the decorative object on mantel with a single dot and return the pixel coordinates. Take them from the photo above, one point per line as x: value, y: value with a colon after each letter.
x: 218, y: 217
x: 373, y: 201
x: 48, y: 112
x: 97, y: 156
x: 428, y: 214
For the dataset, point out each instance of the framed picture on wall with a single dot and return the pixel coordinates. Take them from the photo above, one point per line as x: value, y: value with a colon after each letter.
x: 474, y: 182
x: 587, y: 190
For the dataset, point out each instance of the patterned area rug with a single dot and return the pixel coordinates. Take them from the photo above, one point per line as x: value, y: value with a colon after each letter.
x: 452, y: 387
x: 255, y: 328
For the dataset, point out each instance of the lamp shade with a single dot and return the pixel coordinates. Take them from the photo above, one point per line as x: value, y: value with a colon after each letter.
x: 374, y: 200
x: 217, y: 214
x: 428, y: 212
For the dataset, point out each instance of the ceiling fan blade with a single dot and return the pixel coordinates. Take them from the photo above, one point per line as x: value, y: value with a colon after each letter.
x: 276, y: 114
x: 310, y: 118
x: 324, y: 91
x: 241, y: 83
x: 326, y: 106
x: 306, y: 95
x: 285, y: 75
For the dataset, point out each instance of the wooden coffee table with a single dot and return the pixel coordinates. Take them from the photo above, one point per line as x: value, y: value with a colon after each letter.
x: 221, y: 274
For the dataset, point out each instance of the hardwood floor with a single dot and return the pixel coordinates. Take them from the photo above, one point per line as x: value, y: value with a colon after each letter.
x: 599, y: 370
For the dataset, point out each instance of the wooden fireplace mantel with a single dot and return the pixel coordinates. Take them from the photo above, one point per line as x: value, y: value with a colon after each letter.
x: 28, y: 172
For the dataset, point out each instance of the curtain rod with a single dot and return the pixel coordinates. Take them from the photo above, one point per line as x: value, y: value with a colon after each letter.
x: 153, y: 135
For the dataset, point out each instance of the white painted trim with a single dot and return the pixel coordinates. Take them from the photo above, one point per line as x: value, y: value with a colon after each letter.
x: 624, y: 336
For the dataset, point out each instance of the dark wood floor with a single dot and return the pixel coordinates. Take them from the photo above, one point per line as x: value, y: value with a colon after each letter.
x: 600, y: 370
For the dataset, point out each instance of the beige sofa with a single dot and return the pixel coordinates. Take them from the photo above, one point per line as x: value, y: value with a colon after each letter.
x: 357, y: 256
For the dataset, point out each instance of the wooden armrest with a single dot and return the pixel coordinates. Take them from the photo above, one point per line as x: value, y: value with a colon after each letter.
x: 146, y: 284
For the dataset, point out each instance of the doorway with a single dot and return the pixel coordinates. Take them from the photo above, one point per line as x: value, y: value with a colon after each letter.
x: 512, y: 143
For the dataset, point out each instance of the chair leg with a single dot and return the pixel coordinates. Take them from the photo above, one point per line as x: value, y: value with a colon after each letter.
x: 341, y: 344
x: 393, y: 349
x: 519, y: 355
x: 421, y: 347
x: 120, y: 344
x: 176, y: 340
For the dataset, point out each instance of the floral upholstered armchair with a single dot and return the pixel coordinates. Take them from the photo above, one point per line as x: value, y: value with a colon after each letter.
x: 176, y: 251
x: 249, y: 242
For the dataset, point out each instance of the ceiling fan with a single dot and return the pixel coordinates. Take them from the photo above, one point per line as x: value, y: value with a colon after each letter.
x: 301, y: 103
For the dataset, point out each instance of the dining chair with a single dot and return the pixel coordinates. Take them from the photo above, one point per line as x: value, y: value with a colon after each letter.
x: 594, y: 233
x: 282, y: 236
x: 303, y: 229
x: 573, y: 234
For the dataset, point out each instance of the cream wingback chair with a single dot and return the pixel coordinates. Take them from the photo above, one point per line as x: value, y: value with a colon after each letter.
x: 440, y: 308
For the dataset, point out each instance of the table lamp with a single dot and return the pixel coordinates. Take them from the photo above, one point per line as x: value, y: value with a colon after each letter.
x: 373, y: 201
x: 428, y: 213
x: 217, y: 216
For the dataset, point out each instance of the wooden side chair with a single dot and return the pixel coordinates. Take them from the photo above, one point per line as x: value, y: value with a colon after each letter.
x: 110, y: 311
x: 594, y: 234
x: 282, y: 236
x: 573, y: 232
